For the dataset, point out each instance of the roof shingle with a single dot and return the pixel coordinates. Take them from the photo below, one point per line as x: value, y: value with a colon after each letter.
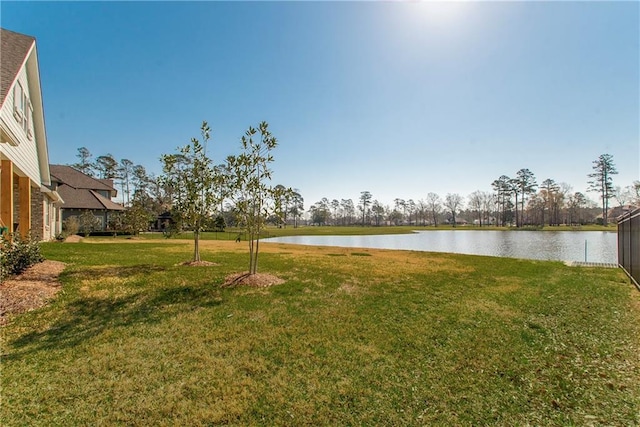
x: 14, y: 48
x: 80, y: 191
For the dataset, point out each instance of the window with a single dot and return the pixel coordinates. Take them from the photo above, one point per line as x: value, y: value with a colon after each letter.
x: 23, y: 109
x: 18, y: 96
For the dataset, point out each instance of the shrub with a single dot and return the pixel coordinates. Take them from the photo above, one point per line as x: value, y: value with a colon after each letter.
x: 70, y: 226
x: 17, y: 254
x: 88, y: 222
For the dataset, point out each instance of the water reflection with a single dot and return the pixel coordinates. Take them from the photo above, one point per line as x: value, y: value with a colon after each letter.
x: 543, y: 245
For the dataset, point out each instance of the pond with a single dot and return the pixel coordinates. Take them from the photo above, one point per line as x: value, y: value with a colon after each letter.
x: 601, y: 246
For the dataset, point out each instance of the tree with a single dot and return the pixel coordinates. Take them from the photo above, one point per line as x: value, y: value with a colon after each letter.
x: 319, y: 212
x: 88, y: 222
x: 124, y: 172
x: 365, y: 201
x: 453, y: 202
x: 435, y: 207
x: 378, y: 211
x: 282, y: 197
x: 335, y: 206
x: 400, y: 207
x: 84, y: 164
x: 503, y: 190
x: 548, y: 192
x: 348, y: 211
x: 410, y: 207
x: 249, y: 187
x: 577, y: 201
x: 106, y: 166
x: 475, y: 205
x: 524, y: 184
x: 297, y: 206
x: 602, y: 181
x: 193, y: 173
x: 140, y: 179
x: 139, y: 215
x: 635, y: 191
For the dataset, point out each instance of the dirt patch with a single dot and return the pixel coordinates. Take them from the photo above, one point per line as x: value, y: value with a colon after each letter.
x: 258, y: 280
x: 199, y: 263
x: 74, y: 238
x: 32, y: 289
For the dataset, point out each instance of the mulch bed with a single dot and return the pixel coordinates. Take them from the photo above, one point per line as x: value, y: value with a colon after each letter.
x: 258, y: 280
x: 30, y: 290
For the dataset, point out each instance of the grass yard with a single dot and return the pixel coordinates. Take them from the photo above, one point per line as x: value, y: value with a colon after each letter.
x: 366, y: 337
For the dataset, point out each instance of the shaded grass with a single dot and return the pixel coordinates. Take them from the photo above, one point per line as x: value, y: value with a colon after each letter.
x: 392, y: 338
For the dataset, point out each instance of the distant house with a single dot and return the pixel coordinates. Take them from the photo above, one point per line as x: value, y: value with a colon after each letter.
x: 83, y: 193
x: 27, y: 203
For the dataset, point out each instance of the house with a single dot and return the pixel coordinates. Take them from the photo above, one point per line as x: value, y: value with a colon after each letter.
x: 83, y: 193
x: 27, y: 203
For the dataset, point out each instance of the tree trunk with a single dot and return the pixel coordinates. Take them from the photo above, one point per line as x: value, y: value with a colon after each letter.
x: 196, y: 245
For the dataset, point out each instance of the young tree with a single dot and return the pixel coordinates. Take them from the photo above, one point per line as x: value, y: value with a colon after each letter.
x: 193, y: 173
x: 453, y: 202
x: 249, y: 185
x: 602, y: 182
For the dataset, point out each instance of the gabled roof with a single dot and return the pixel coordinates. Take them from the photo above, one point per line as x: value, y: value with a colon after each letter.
x: 80, y: 191
x: 15, y: 48
x: 18, y: 51
x: 76, y: 179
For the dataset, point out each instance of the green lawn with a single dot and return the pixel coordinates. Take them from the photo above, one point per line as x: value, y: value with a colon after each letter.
x: 364, y: 337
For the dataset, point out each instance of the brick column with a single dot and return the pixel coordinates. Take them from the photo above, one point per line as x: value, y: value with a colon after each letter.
x: 24, y: 185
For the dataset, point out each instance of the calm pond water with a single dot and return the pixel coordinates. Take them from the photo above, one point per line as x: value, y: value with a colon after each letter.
x: 543, y: 245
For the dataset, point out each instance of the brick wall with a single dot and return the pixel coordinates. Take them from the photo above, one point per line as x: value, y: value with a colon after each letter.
x: 37, y: 214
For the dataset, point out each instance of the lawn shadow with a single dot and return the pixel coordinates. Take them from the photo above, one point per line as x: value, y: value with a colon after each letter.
x: 88, y: 317
x: 121, y: 272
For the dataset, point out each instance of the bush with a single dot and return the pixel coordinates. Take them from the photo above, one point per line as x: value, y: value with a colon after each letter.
x: 70, y: 226
x: 17, y: 254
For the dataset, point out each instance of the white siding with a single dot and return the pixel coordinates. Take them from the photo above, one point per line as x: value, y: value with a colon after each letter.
x: 25, y: 155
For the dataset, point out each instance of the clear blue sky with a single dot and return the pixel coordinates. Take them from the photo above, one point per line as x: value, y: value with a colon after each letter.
x: 399, y: 99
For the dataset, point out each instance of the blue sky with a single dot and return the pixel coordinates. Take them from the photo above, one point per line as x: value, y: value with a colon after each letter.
x: 396, y: 98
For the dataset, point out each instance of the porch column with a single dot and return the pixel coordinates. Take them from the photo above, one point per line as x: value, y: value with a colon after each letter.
x: 6, y: 194
x: 24, y: 187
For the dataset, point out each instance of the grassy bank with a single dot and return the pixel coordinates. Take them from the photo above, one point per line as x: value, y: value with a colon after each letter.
x: 232, y: 234
x: 364, y: 337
